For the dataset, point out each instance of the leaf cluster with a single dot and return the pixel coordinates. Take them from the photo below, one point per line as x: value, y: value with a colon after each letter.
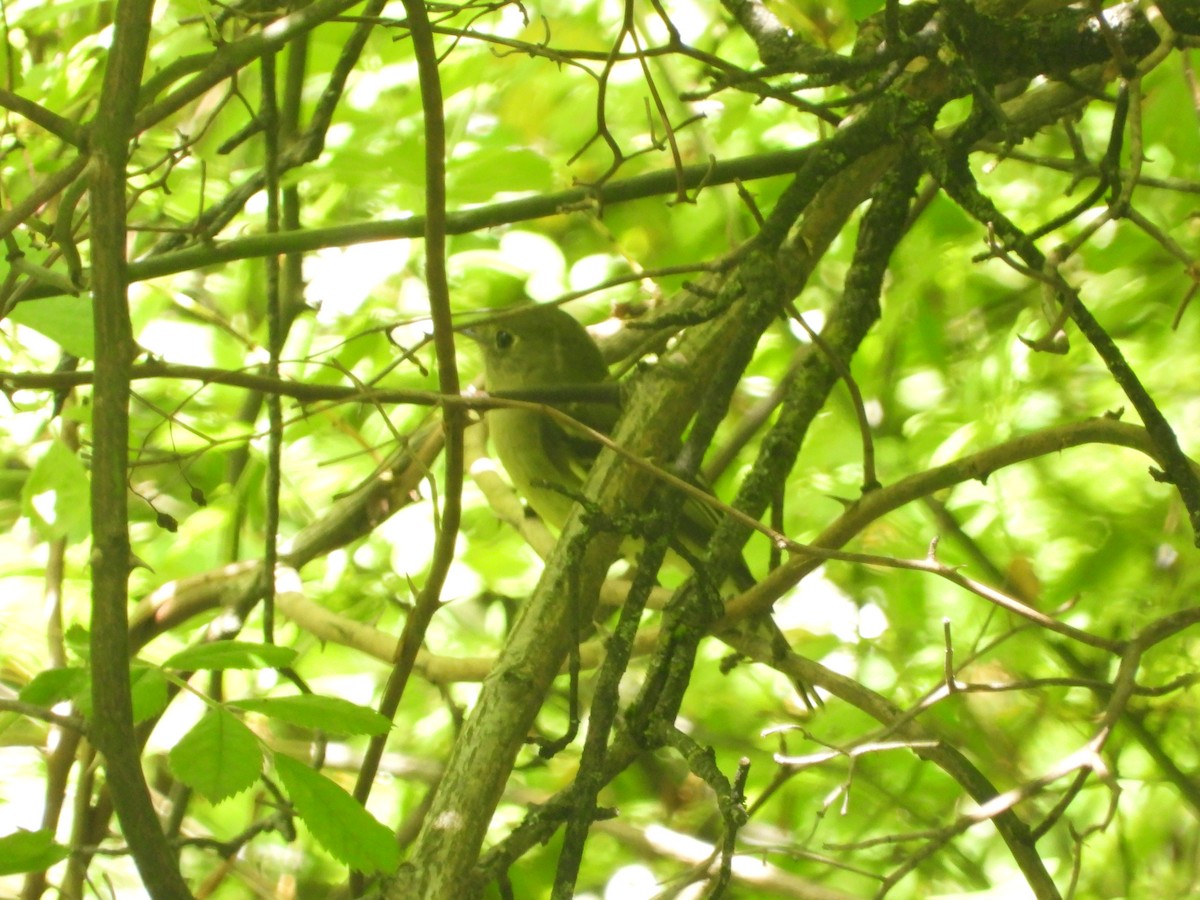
x: 909, y: 285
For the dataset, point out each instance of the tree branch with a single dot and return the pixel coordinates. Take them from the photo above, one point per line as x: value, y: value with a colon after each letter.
x: 112, y: 724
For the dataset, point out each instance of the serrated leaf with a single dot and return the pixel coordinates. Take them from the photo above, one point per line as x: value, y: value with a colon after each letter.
x: 57, y: 495
x: 149, y: 689
x: 218, y: 758
x: 66, y: 320
x: 330, y: 714
x: 30, y: 851
x: 232, y: 655
x: 350, y: 833
x: 52, y: 686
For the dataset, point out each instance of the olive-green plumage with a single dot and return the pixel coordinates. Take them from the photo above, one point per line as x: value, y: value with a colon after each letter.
x: 543, y: 348
x: 538, y: 348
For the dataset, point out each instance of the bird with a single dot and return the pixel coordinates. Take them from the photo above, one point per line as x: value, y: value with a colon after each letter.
x: 535, y: 351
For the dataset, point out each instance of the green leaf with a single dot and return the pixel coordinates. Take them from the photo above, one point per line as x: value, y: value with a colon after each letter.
x: 79, y: 641
x: 218, y: 758
x: 350, y: 833
x: 66, y: 320
x: 232, y: 655
x: 54, y: 686
x: 57, y: 495
x: 30, y: 851
x: 473, y: 179
x: 330, y: 714
x: 860, y: 9
x: 149, y: 689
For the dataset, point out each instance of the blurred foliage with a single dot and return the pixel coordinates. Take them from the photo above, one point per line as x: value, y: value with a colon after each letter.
x: 1085, y: 535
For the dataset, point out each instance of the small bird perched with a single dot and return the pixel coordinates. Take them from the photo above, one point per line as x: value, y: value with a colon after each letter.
x: 539, y: 350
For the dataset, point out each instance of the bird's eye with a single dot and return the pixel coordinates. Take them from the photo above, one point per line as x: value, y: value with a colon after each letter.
x: 504, y: 339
